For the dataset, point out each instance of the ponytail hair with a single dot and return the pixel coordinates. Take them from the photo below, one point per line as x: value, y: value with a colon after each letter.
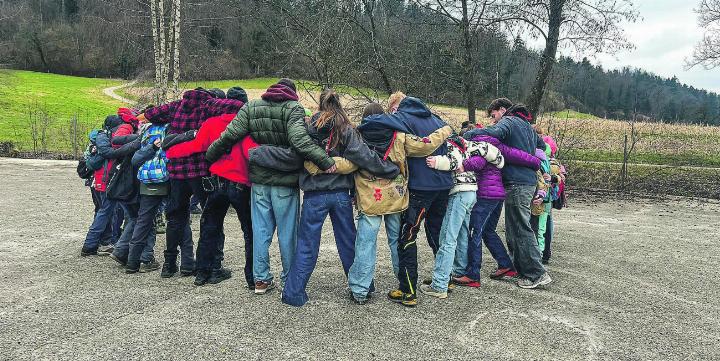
x: 332, y: 111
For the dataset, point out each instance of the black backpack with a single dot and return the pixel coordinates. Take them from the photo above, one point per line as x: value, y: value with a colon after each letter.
x: 83, y: 171
x: 123, y: 185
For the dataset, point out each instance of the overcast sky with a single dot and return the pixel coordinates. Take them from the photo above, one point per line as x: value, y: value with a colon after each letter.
x: 664, y: 37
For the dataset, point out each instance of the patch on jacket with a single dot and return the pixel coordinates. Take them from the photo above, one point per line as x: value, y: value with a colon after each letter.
x: 378, y: 194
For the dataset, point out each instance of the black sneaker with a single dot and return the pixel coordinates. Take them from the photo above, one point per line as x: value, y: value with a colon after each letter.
x: 146, y: 267
x: 118, y: 259
x: 168, y: 270
x: 187, y: 272
x: 219, y: 275
x: 132, y: 267
x: 201, y: 278
x: 84, y: 252
x: 360, y: 301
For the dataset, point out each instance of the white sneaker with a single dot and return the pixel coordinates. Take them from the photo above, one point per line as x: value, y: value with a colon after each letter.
x: 526, y: 283
x: 428, y: 290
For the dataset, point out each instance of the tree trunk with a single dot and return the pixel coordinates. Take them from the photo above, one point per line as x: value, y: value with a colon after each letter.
x: 469, y: 67
x: 164, y: 56
x: 176, y: 48
x: 548, y: 57
x: 379, y: 66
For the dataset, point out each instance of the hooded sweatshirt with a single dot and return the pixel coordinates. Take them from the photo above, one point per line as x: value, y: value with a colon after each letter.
x: 413, y: 117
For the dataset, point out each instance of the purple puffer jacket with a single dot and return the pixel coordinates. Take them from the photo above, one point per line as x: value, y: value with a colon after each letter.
x: 489, y: 177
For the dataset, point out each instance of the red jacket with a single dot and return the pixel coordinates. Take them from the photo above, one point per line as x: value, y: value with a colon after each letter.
x: 102, y: 175
x: 233, y: 166
x: 189, y: 113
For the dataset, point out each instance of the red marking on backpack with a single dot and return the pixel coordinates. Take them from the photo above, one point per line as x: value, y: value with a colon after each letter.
x: 378, y: 194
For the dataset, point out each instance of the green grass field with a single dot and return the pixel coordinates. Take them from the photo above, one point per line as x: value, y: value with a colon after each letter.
x: 587, y: 137
x: 61, y: 97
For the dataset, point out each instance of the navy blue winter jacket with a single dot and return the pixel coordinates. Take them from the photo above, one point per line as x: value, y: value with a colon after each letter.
x: 517, y: 133
x: 413, y: 117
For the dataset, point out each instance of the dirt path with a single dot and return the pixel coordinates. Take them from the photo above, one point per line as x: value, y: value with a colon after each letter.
x: 633, y: 280
x: 111, y: 92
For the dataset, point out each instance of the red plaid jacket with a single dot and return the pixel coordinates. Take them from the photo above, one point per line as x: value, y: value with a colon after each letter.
x: 188, y: 114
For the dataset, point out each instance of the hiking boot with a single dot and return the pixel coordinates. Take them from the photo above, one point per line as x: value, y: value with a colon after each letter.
x: 430, y: 291
x: 187, y: 272
x: 105, y: 250
x: 168, y: 269
x: 84, y: 252
x: 201, y: 278
x: 219, y: 275
x: 405, y: 299
x: 465, y: 281
x: 118, y: 259
x: 146, y: 267
x: 261, y: 287
x: 528, y: 284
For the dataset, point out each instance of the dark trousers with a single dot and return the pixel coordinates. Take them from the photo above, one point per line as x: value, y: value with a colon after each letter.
x: 315, y: 208
x: 212, y: 239
x: 143, y: 237
x: 178, y: 220
x: 483, y: 225
x: 117, y: 224
x: 429, y: 206
x: 521, y: 239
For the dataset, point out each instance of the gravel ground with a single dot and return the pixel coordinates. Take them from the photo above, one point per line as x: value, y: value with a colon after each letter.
x: 633, y: 280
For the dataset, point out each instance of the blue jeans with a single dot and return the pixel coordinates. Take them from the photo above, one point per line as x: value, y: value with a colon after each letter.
x: 142, y: 242
x: 103, y: 217
x: 316, y: 207
x: 483, y: 227
x: 122, y: 246
x: 271, y: 207
x: 455, y: 225
x: 520, y: 236
x: 362, y: 272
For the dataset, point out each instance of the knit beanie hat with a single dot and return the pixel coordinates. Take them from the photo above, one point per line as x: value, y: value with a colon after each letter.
x: 218, y: 93
x: 237, y: 93
x: 289, y: 83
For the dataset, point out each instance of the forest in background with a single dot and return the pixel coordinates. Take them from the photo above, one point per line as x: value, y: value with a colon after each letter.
x: 384, y: 45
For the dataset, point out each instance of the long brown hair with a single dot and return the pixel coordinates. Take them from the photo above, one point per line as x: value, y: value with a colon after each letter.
x: 332, y: 111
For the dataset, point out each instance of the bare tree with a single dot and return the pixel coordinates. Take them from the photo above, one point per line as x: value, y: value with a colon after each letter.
x: 586, y: 26
x: 707, y: 51
x: 471, y: 17
x: 166, y: 50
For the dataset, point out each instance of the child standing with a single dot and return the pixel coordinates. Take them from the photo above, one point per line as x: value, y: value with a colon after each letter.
x: 456, y: 222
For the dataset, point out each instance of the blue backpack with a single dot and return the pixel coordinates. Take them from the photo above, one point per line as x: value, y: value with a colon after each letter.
x: 93, y: 160
x: 154, y: 170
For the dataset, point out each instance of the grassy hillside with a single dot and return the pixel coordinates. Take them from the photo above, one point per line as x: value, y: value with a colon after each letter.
x: 25, y: 96
x: 581, y: 136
